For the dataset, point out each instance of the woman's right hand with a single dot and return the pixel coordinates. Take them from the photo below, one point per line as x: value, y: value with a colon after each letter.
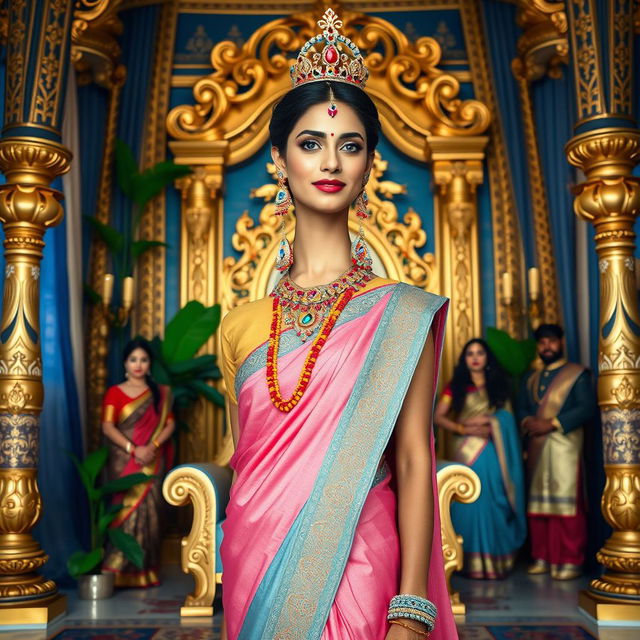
x: 144, y: 454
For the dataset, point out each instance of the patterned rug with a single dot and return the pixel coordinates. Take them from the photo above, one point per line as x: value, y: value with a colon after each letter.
x: 524, y: 632
x: 177, y: 632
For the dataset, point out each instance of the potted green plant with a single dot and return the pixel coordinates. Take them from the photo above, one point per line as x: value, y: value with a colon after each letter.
x: 85, y: 566
x: 175, y: 362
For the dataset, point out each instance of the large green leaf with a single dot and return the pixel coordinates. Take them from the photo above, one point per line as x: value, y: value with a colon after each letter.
x: 94, y: 463
x: 128, y: 545
x: 209, y: 392
x: 189, y: 329
x: 126, y: 168
x: 82, y: 562
x: 124, y: 483
x: 142, y: 246
x: 110, y: 236
x: 515, y: 356
x: 193, y: 366
x: 107, y: 518
x: 84, y: 476
x: 150, y: 183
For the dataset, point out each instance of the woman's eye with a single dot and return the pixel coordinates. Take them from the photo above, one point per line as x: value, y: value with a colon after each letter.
x: 310, y: 145
x: 351, y: 147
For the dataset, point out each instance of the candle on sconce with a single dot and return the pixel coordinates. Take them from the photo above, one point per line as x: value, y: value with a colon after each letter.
x: 127, y: 292
x: 534, y: 283
x: 107, y: 289
x: 507, y: 286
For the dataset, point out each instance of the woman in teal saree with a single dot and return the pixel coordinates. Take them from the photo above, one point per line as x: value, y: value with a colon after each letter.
x: 476, y: 409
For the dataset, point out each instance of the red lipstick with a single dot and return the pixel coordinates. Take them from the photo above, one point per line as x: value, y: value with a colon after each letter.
x: 329, y: 186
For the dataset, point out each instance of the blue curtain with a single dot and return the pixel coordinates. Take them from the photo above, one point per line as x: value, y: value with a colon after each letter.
x: 63, y: 523
x: 554, y: 111
x: 501, y: 39
x: 92, y: 121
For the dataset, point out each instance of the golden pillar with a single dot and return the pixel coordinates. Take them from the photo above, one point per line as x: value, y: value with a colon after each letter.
x: 95, y: 53
x: 200, y: 251
x: 457, y: 171
x: 31, y: 156
x: 606, y: 148
x: 542, y: 48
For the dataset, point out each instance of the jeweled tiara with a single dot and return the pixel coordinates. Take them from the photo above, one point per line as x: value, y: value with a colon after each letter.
x: 329, y: 56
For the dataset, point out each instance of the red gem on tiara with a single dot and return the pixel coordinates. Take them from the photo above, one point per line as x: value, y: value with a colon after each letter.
x: 331, y: 55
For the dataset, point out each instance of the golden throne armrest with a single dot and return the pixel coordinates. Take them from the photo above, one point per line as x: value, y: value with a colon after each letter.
x: 206, y: 486
x: 461, y: 483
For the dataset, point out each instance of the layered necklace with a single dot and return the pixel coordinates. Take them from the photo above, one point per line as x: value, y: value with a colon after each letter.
x: 304, y: 310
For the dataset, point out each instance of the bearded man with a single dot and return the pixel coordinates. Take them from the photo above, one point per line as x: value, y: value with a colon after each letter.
x: 554, y: 404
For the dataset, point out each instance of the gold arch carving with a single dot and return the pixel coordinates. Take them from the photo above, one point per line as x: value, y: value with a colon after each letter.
x: 422, y: 115
x: 415, y: 98
x: 393, y: 240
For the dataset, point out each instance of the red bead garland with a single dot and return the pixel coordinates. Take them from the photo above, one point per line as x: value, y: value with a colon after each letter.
x: 274, y: 346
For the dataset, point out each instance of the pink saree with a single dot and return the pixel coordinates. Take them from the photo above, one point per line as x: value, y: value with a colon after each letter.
x: 311, y: 547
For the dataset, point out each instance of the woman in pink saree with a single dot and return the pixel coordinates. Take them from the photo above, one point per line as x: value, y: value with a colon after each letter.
x: 332, y: 529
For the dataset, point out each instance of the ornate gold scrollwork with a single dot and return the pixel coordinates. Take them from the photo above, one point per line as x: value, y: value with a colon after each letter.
x: 95, y: 50
x: 543, y: 47
x: 182, y: 486
x: 414, y: 96
x: 461, y: 483
x: 247, y: 278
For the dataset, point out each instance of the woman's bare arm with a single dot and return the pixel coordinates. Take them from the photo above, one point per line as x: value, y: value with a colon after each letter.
x: 414, y: 468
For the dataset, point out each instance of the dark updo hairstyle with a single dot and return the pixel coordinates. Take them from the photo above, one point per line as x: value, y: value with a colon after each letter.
x: 295, y: 103
x: 496, y: 382
x: 141, y: 343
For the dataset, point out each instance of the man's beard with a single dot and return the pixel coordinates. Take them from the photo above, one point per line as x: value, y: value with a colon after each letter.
x: 549, y: 357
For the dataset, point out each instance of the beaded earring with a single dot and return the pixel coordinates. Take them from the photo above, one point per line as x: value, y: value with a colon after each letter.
x: 284, y: 256
x: 360, y: 255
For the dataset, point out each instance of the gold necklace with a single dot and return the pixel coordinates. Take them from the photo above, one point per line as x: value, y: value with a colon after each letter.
x: 305, y: 309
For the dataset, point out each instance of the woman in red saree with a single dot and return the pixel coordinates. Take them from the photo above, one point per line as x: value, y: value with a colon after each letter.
x: 137, y: 421
x: 332, y: 529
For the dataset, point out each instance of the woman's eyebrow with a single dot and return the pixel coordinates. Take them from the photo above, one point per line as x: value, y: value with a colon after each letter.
x: 322, y: 134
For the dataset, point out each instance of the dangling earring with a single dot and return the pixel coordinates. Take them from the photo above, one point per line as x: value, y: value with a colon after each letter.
x: 284, y: 256
x: 360, y: 255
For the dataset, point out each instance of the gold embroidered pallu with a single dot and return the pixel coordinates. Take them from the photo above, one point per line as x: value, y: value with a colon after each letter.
x: 467, y: 449
x: 554, y: 459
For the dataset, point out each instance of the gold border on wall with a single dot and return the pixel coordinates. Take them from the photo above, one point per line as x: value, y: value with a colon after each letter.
x: 507, y: 246
x: 148, y: 318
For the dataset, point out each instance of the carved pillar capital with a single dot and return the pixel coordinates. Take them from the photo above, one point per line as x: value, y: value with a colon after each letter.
x: 457, y: 168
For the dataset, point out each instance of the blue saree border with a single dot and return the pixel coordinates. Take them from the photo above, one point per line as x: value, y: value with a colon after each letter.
x: 308, y: 575
x: 289, y: 341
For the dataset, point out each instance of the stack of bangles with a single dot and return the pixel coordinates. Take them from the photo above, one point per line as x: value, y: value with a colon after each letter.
x: 408, y: 607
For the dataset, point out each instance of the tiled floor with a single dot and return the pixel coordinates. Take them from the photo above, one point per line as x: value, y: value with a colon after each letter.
x: 518, y: 600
